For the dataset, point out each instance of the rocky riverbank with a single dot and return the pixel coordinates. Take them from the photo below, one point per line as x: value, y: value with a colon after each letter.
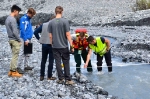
x: 132, y: 43
x: 30, y: 87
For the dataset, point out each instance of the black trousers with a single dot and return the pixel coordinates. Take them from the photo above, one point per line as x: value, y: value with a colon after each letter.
x: 78, y: 60
x: 107, y: 59
x: 47, y: 50
x: 62, y: 54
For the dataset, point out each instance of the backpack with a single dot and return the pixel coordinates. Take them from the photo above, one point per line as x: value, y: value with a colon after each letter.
x: 81, y: 30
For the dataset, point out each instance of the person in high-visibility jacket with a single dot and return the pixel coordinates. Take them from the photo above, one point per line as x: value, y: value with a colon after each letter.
x: 100, y: 46
x: 80, y: 45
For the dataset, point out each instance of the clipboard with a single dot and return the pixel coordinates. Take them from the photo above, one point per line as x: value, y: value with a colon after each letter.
x: 28, y: 49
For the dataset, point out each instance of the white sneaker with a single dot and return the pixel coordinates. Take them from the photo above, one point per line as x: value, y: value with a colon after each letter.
x: 100, y: 73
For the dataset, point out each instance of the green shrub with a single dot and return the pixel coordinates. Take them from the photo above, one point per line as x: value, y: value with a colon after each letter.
x: 142, y: 5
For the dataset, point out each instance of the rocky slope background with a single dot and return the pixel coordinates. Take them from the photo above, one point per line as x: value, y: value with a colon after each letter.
x: 96, y: 12
x: 101, y: 13
x: 89, y: 13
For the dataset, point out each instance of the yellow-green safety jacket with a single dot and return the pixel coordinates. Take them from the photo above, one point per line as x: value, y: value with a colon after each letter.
x: 100, y: 48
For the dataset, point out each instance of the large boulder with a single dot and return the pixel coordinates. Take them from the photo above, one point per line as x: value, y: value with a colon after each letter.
x: 37, y: 19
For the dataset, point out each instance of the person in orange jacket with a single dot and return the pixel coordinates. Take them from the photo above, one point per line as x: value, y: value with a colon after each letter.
x: 80, y: 45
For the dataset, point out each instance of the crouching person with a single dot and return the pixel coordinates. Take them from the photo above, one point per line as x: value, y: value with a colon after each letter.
x: 101, y: 46
x: 80, y: 45
x: 46, y: 50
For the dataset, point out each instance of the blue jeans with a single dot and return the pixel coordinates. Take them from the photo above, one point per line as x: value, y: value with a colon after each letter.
x: 47, y: 50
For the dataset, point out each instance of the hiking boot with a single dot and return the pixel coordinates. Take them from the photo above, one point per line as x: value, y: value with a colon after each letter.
x: 51, y: 78
x: 15, y: 74
x: 60, y: 81
x: 20, y: 70
x: 28, y: 68
x: 41, y: 78
x: 69, y: 82
x: 9, y: 73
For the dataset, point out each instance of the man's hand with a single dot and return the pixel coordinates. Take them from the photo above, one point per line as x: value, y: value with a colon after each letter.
x: 108, y: 48
x: 85, y: 65
x: 26, y: 43
x: 72, y: 50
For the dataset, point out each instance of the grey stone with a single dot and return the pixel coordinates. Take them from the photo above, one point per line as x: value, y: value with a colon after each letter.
x: 103, y: 92
x: 124, y: 60
x: 40, y: 93
x: 55, y: 97
x: 61, y: 94
x: 47, y: 92
x: 100, y: 97
x: 87, y: 96
x: 83, y: 79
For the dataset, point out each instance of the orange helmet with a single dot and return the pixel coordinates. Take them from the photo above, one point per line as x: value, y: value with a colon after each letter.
x: 83, y: 30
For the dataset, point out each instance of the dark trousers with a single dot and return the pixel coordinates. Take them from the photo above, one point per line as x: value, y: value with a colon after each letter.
x: 47, y: 50
x: 62, y: 54
x: 107, y: 59
x: 78, y: 60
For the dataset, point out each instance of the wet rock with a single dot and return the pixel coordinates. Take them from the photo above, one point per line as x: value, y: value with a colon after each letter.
x: 124, y: 60
x: 97, y: 89
x: 114, y: 97
x: 83, y: 79
x: 103, y: 92
x: 131, y: 59
x: 100, y: 97
x: 121, y: 43
x: 88, y: 86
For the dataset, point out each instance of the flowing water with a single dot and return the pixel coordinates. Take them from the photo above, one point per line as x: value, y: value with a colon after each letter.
x: 128, y: 80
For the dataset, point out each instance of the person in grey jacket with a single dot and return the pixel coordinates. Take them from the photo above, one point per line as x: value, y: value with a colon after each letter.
x: 14, y: 40
x: 46, y: 50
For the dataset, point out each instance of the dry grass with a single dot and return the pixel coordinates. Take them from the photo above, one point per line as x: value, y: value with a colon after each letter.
x: 141, y: 5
